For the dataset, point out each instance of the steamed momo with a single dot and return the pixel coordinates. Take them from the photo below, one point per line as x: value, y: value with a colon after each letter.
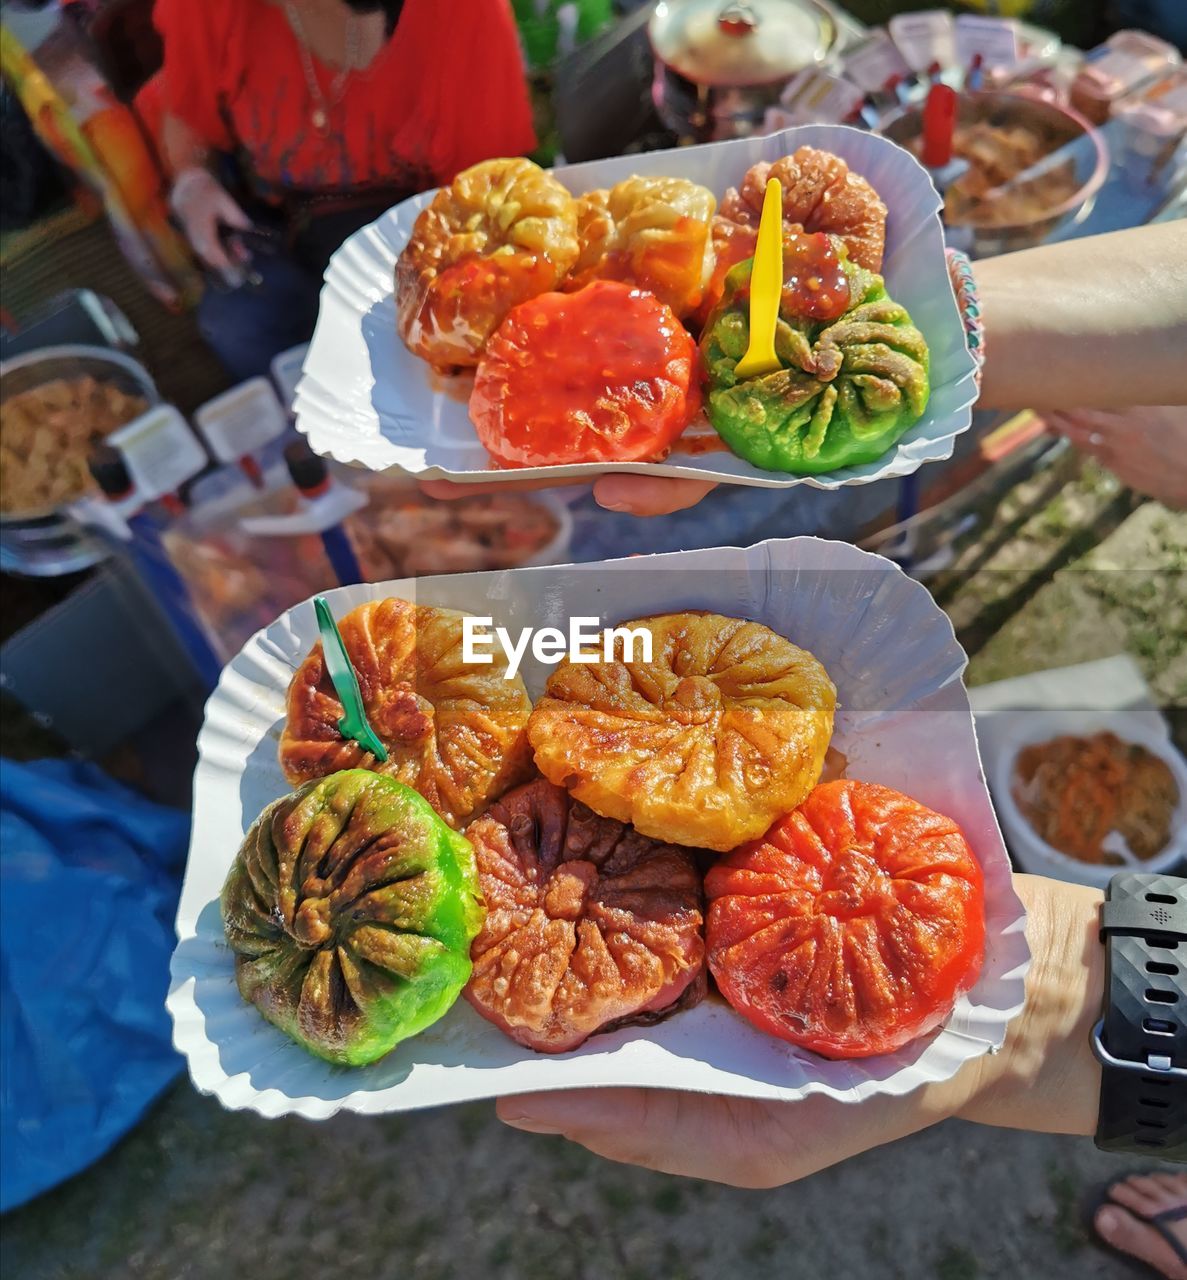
x: 820, y: 193
x: 723, y: 731
x: 502, y: 232
x: 350, y: 909
x: 589, y: 925
x: 651, y: 232
x: 454, y: 732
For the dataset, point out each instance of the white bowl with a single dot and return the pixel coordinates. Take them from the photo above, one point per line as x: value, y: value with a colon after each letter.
x: 1031, y: 852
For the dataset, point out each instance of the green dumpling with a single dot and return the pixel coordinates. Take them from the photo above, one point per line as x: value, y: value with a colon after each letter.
x: 849, y: 386
x: 351, y: 908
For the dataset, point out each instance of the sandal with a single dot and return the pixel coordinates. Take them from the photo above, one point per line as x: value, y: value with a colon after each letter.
x: 1161, y: 1222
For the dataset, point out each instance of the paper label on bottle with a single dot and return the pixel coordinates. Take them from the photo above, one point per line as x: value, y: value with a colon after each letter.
x: 815, y: 97
x: 925, y: 38
x: 995, y: 39
x: 241, y: 420
x: 161, y: 451
x: 874, y: 62
x: 286, y: 373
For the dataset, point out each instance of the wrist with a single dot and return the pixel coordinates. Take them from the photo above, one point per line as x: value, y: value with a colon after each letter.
x: 1045, y: 1076
x: 185, y: 180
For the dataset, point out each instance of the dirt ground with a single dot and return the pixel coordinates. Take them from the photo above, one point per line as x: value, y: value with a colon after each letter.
x: 198, y: 1193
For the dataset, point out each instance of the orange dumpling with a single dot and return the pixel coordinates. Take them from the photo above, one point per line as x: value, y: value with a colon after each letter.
x: 502, y: 232
x: 705, y: 745
x: 453, y: 731
x: 650, y: 232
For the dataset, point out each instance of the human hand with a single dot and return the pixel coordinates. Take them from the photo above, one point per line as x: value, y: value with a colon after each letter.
x: 634, y: 494
x: 738, y: 1141
x: 1145, y: 447
x: 203, y: 206
x: 1044, y: 1078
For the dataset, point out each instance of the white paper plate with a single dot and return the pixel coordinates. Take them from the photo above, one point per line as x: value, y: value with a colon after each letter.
x: 365, y: 399
x: 904, y: 720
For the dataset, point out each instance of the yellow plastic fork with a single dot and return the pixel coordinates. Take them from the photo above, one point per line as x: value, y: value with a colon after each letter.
x: 766, y: 286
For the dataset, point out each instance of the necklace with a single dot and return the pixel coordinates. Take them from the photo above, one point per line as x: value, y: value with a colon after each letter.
x: 323, y: 103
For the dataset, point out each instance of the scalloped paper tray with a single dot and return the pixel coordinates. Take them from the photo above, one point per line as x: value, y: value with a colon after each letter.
x: 363, y: 398
x: 903, y: 720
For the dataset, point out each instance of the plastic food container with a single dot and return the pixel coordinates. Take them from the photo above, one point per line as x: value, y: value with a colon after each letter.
x: 1153, y: 124
x: 1034, y: 854
x: 401, y: 533
x: 1117, y: 68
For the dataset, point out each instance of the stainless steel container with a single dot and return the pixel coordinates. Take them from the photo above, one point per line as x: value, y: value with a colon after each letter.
x: 720, y: 65
x: 1057, y: 126
x: 49, y: 542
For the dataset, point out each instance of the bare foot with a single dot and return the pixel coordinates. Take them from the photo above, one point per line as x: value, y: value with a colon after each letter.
x: 1123, y: 1221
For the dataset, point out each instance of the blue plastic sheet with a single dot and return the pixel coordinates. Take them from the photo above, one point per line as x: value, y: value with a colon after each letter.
x: 89, y: 878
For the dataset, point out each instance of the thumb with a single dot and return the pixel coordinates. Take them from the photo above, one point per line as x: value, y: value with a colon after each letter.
x: 229, y: 212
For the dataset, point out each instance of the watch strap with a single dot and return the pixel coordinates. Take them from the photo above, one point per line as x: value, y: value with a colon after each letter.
x: 1141, y: 1039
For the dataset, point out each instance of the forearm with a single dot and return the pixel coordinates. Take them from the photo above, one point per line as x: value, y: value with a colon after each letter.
x: 182, y: 147
x: 1094, y: 323
x: 1045, y: 1077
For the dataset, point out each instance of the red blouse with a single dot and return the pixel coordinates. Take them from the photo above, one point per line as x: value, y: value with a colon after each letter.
x: 438, y: 96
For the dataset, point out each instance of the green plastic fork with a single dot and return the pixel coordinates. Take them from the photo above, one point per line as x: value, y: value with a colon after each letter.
x: 354, y: 724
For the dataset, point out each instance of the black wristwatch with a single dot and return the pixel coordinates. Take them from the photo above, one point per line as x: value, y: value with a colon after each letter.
x: 1141, y: 1039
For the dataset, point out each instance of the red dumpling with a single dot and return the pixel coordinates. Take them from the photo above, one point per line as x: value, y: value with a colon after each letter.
x: 589, y: 925
x: 606, y: 374
x: 852, y: 926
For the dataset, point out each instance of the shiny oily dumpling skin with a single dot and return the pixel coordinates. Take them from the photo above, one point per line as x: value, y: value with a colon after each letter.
x: 589, y: 926
x: 724, y: 730
x: 848, y: 388
x: 820, y: 193
x: 606, y: 374
x: 502, y: 232
x: 350, y: 909
x: 453, y: 731
x: 652, y: 232
x: 852, y: 927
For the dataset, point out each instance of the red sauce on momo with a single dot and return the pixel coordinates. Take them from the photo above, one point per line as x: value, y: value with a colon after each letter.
x: 606, y: 374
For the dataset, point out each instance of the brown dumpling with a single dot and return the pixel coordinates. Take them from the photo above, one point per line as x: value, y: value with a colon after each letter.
x: 722, y: 732
x: 502, y: 232
x: 820, y: 193
x: 650, y: 232
x: 453, y: 731
x: 589, y: 925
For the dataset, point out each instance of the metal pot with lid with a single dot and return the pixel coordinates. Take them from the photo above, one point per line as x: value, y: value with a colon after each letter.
x: 47, y: 541
x: 719, y: 64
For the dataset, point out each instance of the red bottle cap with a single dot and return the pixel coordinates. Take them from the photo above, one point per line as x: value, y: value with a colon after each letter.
x: 939, y: 124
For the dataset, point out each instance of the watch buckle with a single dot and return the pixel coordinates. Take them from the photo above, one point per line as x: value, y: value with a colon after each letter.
x: 1156, y: 1064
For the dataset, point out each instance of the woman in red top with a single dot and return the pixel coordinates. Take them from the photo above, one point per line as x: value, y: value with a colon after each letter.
x: 332, y: 110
